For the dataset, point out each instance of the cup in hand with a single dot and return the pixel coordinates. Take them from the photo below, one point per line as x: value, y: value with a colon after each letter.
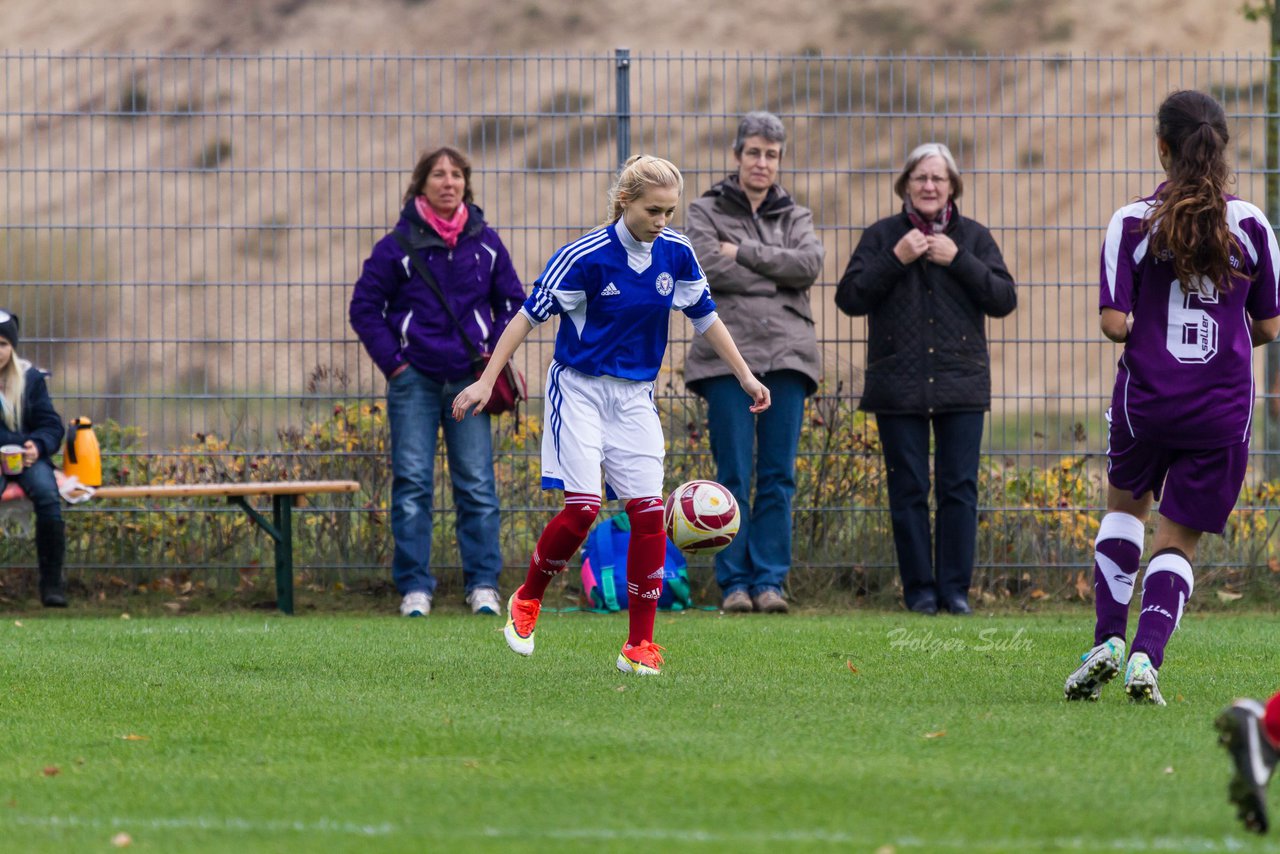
x: 11, y: 459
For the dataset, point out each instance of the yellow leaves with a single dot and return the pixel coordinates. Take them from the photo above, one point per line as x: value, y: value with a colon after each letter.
x: 134, y: 737
x: 51, y: 771
x: 942, y: 733
x: 122, y: 840
x: 852, y: 669
x: 1226, y: 595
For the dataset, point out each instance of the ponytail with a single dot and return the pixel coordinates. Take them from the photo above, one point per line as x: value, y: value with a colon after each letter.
x: 1188, y: 223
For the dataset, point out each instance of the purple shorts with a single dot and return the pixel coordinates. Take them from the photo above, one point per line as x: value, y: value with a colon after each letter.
x: 1200, y: 485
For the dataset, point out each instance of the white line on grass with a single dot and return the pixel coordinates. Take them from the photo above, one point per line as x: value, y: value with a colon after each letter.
x: 203, y: 823
x: 643, y: 834
x: 1076, y: 843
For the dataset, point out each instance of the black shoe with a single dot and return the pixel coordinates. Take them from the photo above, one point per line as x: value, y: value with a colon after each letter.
x: 53, y: 598
x: 958, y: 606
x: 928, y: 607
x: 1240, y: 732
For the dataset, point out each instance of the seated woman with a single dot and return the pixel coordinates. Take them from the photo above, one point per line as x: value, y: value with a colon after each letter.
x: 28, y: 420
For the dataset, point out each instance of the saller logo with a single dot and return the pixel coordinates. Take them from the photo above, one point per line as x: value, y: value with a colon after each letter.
x: 1156, y: 609
x: 665, y: 283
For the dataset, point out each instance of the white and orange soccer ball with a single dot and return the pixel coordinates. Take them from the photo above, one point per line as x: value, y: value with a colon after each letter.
x: 701, y: 517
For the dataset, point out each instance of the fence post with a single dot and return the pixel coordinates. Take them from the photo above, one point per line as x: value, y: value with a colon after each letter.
x: 622, y: 74
x: 1271, y: 380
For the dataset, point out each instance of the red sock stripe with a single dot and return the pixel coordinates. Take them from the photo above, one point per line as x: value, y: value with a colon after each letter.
x: 646, y: 555
x: 559, y: 542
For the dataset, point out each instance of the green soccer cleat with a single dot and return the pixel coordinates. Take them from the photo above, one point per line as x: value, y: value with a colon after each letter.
x: 1140, y: 681
x: 1097, y: 667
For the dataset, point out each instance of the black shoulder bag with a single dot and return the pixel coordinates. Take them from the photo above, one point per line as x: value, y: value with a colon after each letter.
x: 509, y: 388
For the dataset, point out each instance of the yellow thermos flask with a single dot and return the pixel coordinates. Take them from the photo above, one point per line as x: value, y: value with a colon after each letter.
x: 83, y: 456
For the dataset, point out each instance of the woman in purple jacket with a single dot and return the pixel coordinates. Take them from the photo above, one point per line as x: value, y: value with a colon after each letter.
x: 415, y: 342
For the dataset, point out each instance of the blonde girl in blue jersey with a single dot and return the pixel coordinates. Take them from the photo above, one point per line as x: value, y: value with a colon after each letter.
x: 615, y: 287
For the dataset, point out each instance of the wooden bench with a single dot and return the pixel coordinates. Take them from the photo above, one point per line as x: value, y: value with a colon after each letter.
x: 284, y: 495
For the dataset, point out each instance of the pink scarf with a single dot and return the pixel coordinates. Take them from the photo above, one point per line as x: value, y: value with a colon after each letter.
x: 448, y: 229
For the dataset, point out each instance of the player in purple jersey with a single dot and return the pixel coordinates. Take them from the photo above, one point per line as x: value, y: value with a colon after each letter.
x: 615, y: 289
x: 1189, y: 286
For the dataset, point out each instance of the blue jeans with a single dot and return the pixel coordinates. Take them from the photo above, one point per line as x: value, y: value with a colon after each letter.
x: 760, y: 556
x: 38, y: 482
x: 416, y: 409
x: 958, y: 443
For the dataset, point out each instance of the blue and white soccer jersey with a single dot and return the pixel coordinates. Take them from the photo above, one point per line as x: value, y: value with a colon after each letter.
x: 616, y: 295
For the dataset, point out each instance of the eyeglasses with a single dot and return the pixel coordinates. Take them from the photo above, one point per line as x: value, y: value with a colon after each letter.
x: 938, y: 180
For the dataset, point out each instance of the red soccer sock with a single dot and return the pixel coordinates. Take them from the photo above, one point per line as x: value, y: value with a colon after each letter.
x: 1271, y: 720
x: 560, y: 540
x: 646, y: 556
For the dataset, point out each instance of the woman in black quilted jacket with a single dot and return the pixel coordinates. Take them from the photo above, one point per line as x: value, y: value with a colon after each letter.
x: 927, y: 279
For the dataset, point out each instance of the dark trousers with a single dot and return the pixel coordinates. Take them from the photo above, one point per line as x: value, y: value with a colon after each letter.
x: 958, y: 442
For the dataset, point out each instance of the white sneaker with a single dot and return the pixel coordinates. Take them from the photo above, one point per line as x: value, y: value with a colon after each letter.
x: 1097, y: 667
x: 416, y: 604
x: 484, y: 600
x: 1140, y: 680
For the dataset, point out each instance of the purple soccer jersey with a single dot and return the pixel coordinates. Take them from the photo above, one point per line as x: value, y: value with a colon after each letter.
x: 1185, y: 379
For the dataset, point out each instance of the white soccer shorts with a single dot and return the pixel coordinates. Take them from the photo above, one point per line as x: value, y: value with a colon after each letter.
x: 592, y: 421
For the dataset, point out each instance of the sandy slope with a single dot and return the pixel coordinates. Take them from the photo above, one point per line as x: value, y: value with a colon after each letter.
x: 489, y: 26
x: 215, y: 217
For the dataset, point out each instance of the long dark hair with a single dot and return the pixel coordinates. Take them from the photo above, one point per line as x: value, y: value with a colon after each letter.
x: 1189, y: 223
x: 427, y: 162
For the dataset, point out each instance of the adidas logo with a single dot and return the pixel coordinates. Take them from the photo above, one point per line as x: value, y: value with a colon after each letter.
x: 611, y: 290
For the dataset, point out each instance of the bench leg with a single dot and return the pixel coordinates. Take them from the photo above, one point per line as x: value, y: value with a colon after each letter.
x: 282, y: 533
x: 283, y: 506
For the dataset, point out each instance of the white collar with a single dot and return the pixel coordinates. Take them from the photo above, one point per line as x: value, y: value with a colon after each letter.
x: 628, y: 241
x: 639, y: 253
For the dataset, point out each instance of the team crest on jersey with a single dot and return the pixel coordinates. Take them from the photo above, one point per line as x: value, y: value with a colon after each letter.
x: 665, y: 283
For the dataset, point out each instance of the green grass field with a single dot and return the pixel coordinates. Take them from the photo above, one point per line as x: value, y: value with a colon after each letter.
x: 857, y: 732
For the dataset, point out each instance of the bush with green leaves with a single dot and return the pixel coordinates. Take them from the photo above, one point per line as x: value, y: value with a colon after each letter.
x: 1035, y: 535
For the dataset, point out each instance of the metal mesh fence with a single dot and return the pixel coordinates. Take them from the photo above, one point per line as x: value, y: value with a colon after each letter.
x: 180, y: 236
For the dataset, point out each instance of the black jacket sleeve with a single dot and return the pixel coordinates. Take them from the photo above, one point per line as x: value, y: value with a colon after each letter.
x: 872, y: 272
x: 41, y: 423
x: 982, y: 272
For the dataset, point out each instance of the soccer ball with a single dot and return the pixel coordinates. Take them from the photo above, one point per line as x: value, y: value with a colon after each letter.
x: 701, y: 517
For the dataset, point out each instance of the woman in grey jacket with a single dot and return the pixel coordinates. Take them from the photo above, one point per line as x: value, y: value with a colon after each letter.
x: 927, y: 279
x: 761, y: 256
